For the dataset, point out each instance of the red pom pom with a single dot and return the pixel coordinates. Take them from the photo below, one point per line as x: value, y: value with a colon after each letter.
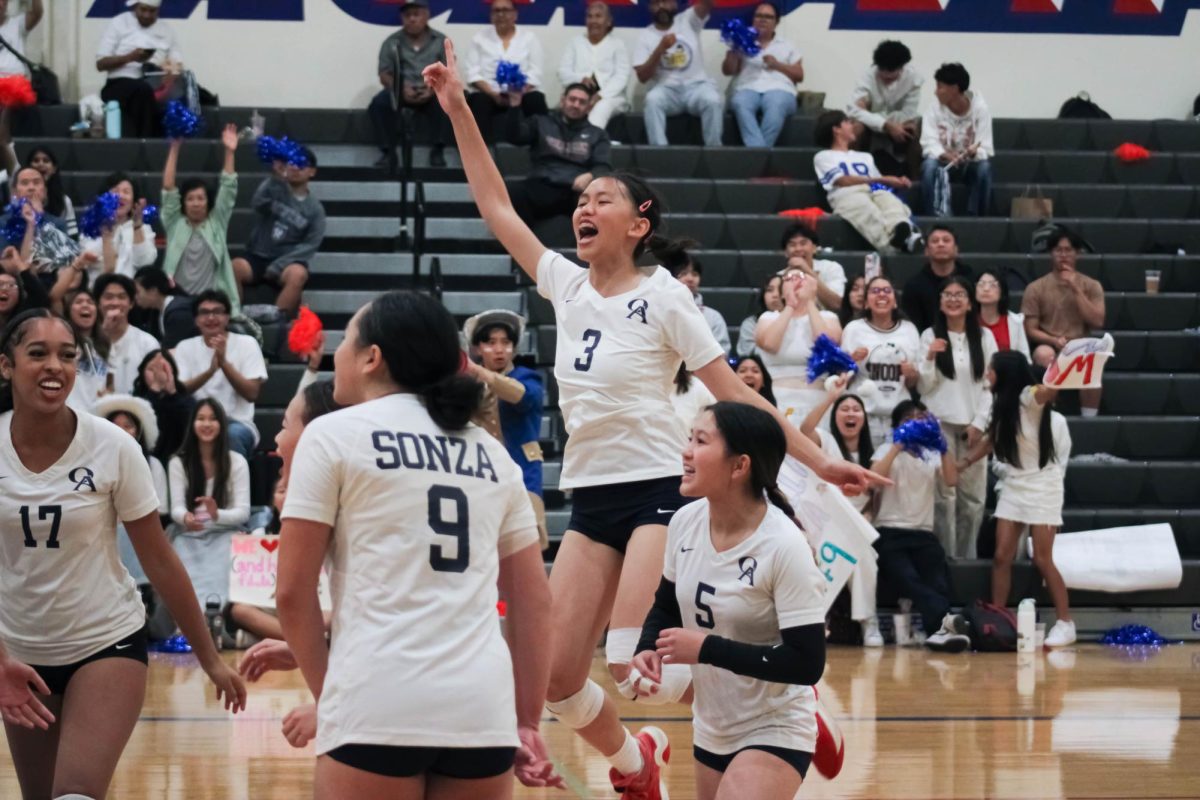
x: 302, y: 338
x: 812, y: 213
x: 16, y: 92
x: 502, y: 608
x: 1129, y: 152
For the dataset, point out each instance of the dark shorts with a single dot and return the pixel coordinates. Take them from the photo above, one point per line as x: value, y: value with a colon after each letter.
x: 464, y: 763
x: 57, y: 678
x: 258, y: 265
x: 609, y: 514
x: 796, y: 759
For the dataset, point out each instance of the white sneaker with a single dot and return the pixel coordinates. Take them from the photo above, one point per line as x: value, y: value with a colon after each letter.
x: 870, y: 631
x: 1062, y: 634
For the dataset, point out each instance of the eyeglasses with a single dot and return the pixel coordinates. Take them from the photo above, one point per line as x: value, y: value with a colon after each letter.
x: 954, y: 295
x: 8, y: 284
x: 212, y: 312
x: 881, y: 291
x: 988, y: 283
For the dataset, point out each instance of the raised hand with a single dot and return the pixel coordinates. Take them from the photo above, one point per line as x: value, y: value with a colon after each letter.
x: 443, y: 79
x: 229, y: 137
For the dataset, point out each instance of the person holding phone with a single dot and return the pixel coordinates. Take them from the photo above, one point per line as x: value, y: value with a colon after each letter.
x: 132, y: 40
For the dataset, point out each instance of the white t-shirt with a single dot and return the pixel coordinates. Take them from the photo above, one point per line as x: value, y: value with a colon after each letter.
x: 791, y: 359
x: 859, y: 501
x: 615, y: 363
x: 421, y: 519
x: 193, y: 357
x: 608, y: 60
x: 13, y: 30
x: 487, y: 50
x: 755, y: 76
x: 131, y: 255
x: 237, y: 494
x: 125, y: 34
x: 833, y: 164
x: 886, y: 351
x: 748, y: 593
x: 961, y: 400
x: 832, y: 274
x: 909, y: 502
x: 683, y: 63
x: 91, y: 379
x: 688, y: 405
x: 64, y: 594
x: 125, y: 354
x: 1027, y: 438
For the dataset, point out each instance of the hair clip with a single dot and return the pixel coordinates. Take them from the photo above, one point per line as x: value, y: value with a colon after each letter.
x: 644, y: 207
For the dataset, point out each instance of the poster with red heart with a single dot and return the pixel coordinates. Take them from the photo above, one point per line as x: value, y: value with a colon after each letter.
x: 254, y: 558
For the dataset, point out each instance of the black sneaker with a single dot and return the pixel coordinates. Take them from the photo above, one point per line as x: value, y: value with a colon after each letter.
x: 945, y: 641
x: 900, y: 235
x: 437, y: 156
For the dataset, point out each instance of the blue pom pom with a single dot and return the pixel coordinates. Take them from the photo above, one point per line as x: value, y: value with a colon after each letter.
x: 266, y: 148
x: 921, y: 435
x: 740, y: 37
x: 1133, y: 635
x: 14, y: 228
x: 509, y: 77
x: 882, y: 187
x: 828, y: 359
x: 271, y: 149
x: 101, y: 214
x: 179, y: 121
x: 150, y: 215
x: 175, y: 644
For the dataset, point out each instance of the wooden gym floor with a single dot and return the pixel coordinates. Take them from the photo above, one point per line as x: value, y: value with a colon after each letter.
x: 1094, y: 722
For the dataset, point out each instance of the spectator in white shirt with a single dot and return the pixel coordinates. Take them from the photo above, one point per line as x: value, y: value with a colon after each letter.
x: 599, y: 61
x: 765, y: 83
x: 14, y: 28
x: 132, y: 40
x: 770, y: 298
x: 669, y: 57
x: 503, y: 42
x: 956, y: 133
x: 688, y: 270
x: 225, y: 366
x: 800, y: 244
x: 884, y: 104
x: 127, y: 345
x: 128, y: 243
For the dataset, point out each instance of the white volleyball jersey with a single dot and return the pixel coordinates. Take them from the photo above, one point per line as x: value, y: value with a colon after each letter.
x: 421, y: 518
x: 615, y: 363
x: 747, y: 593
x: 64, y: 593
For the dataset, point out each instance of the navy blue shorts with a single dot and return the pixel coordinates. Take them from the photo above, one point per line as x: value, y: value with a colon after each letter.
x: 57, y: 678
x: 796, y: 759
x: 465, y: 763
x: 609, y: 514
x: 259, y: 265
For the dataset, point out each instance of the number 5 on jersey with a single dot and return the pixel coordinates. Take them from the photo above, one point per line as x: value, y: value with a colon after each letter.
x: 591, y: 338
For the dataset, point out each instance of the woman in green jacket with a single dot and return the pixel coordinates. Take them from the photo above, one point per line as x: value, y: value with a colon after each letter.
x: 197, y: 225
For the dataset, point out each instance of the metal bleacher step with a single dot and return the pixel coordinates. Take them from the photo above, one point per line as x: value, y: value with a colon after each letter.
x: 458, y: 303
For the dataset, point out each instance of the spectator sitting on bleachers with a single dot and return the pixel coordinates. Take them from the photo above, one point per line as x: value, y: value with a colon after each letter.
x: 50, y: 248
x: 223, y: 365
x: 599, y: 61
x: 14, y: 27
x: 754, y: 373
x: 210, y: 499
x: 800, y: 244
x: 516, y: 392
x: 764, y: 83
x: 854, y: 300
x: 504, y: 41
x: 688, y: 270
x: 133, y: 39
x: 167, y: 312
x: 288, y: 230
x: 158, y: 384
x: 127, y: 345
x: 58, y: 202
x: 1007, y: 326
x: 565, y: 153
x: 20, y: 287
x: 402, y: 56
x: 128, y: 243
x: 911, y: 558
x: 921, y: 294
x: 956, y: 134
x: 858, y: 193
x: 956, y: 352
x: 770, y: 298
x: 1064, y: 305
x: 197, y: 224
x: 92, y: 376
x: 885, y: 104
x: 668, y: 55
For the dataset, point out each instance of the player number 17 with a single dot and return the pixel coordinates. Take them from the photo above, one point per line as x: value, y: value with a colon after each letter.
x: 55, y: 515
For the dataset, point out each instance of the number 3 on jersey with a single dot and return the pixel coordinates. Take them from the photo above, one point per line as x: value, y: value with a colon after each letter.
x: 591, y: 338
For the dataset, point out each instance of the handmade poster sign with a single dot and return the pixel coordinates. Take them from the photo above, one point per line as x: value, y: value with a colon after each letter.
x: 1080, y: 365
x: 254, y: 558
x: 1131, y: 559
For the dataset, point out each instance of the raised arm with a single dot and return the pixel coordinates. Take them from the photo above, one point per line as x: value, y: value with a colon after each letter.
x: 809, y: 426
x: 487, y: 185
x: 172, y: 165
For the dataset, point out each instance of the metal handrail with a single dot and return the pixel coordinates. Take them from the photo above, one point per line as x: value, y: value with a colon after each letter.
x: 418, y: 243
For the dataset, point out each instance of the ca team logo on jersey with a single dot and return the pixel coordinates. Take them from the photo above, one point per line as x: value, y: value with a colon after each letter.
x: 82, y: 477
x: 747, y: 564
x: 637, y: 308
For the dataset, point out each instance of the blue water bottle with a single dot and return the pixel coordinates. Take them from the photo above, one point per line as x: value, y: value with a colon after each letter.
x: 112, y: 119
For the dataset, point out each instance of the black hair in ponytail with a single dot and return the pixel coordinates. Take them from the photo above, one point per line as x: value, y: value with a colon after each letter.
x: 14, y: 334
x: 648, y: 204
x: 419, y: 342
x: 750, y: 431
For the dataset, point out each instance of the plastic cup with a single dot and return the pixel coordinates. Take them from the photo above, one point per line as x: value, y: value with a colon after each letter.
x: 1039, y: 636
x: 1153, y: 279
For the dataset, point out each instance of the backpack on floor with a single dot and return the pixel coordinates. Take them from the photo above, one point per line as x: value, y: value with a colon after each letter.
x: 992, y: 629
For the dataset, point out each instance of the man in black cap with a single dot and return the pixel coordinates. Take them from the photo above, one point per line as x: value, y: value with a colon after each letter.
x: 402, y: 57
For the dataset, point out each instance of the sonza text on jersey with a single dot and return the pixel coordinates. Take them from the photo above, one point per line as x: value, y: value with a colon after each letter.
x: 433, y: 453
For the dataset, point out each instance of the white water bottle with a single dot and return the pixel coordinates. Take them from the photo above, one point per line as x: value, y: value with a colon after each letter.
x: 1026, y: 625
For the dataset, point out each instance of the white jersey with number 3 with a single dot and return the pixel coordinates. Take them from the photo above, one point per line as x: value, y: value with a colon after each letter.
x: 748, y: 593
x: 421, y: 518
x: 64, y: 594
x: 615, y: 363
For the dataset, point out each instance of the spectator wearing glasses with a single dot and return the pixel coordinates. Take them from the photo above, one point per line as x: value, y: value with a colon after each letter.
x: 884, y: 104
x: 599, y: 61
x: 225, y: 366
x: 765, y: 84
x: 991, y: 293
x: 668, y: 56
x: 504, y: 41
